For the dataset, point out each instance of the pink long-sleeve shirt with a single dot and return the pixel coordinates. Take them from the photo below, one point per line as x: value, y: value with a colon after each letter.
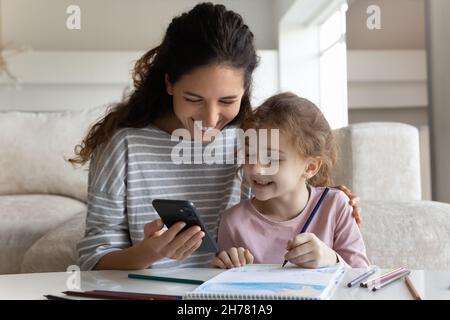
x: 244, y: 226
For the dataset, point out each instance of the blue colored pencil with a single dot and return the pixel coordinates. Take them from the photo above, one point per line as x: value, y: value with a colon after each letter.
x: 311, y: 216
x: 362, y: 277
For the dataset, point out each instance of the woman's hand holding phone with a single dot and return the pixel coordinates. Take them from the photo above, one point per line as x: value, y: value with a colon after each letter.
x: 158, y: 244
x: 234, y: 257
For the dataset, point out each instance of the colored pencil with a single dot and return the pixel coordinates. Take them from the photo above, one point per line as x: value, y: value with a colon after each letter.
x: 362, y: 277
x: 365, y: 283
x: 412, y: 289
x: 392, y: 279
x: 155, y: 296
x: 167, y: 279
x: 386, y: 277
x: 53, y: 297
x: 117, y: 295
x: 311, y: 216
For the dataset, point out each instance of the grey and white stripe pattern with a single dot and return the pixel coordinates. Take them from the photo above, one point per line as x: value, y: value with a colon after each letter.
x: 134, y: 168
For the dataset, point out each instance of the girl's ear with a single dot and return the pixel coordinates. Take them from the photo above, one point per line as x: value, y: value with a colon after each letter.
x: 169, y: 86
x: 312, y: 167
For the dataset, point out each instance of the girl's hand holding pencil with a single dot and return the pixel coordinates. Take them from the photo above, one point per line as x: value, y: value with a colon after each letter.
x: 306, y: 250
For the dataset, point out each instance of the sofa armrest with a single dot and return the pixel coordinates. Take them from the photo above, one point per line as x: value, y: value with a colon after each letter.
x: 413, y: 234
x: 34, y: 148
x: 379, y: 160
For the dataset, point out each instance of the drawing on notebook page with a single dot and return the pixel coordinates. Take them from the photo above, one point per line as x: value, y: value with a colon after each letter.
x: 271, y: 282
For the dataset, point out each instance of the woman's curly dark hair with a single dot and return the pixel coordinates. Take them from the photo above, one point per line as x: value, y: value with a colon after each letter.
x: 207, y: 34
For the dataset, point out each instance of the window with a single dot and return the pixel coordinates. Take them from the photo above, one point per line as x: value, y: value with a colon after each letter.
x: 333, y: 68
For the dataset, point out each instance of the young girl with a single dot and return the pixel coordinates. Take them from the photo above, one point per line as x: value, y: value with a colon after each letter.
x: 266, y: 228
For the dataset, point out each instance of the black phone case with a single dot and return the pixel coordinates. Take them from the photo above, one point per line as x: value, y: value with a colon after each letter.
x: 172, y: 211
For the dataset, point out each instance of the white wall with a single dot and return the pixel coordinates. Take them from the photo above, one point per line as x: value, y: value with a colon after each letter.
x: 62, y: 70
x: 74, y: 80
x: 438, y: 24
x: 116, y: 24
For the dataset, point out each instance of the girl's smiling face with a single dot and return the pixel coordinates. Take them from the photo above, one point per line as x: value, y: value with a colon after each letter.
x: 293, y: 171
x: 211, y: 94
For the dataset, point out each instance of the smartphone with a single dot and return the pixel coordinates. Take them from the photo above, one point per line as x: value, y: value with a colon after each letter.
x: 172, y: 211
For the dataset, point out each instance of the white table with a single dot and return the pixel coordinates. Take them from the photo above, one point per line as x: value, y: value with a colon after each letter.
x: 429, y: 284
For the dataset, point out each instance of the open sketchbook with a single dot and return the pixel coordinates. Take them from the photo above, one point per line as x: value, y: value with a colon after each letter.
x: 270, y: 281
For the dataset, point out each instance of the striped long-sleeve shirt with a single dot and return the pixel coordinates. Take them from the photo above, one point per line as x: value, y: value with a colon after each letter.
x: 134, y: 168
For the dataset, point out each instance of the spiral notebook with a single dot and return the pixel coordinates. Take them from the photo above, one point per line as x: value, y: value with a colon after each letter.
x: 262, y: 281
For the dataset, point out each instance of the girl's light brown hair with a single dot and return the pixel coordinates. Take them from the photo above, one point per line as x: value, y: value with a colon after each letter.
x: 305, y: 125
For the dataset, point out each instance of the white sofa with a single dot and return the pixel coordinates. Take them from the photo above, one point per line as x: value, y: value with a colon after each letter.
x: 42, y: 197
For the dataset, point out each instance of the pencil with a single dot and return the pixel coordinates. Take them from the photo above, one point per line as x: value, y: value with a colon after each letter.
x: 411, y: 288
x: 167, y: 279
x: 53, y: 297
x: 385, y: 278
x: 117, y: 295
x: 311, y: 216
x: 388, y: 281
x: 365, y: 283
x: 362, y: 277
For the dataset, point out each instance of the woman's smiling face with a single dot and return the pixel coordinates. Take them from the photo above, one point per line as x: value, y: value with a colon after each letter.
x: 211, y: 94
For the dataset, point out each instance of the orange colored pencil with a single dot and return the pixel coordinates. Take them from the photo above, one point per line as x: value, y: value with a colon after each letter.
x: 412, y: 289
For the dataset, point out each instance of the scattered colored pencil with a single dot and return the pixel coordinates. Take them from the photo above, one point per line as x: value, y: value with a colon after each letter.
x: 412, y: 289
x: 385, y: 282
x: 167, y: 279
x: 117, y: 295
x: 362, y: 277
x: 365, y: 283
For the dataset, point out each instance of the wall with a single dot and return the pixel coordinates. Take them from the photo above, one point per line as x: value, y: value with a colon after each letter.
x: 402, y: 29
x: 116, y: 24
x: 402, y: 25
x: 61, y: 70
x: 74, y: 80
x: 438, y: 24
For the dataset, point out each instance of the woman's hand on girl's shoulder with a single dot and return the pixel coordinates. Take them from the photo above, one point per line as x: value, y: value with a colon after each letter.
x: 234, y: 257
x: 354, y: 202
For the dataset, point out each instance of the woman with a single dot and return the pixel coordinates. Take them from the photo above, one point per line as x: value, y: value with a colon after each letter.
x: 202, y: 71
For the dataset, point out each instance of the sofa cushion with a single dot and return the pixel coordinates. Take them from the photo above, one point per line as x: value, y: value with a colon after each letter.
x: 34, y: 149
x: 413, y: 234
x: 379, y: 160
x: 25, y: 219
x: 56, y: 250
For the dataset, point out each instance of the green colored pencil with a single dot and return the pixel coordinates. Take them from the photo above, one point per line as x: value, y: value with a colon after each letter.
x: 156, y: 278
